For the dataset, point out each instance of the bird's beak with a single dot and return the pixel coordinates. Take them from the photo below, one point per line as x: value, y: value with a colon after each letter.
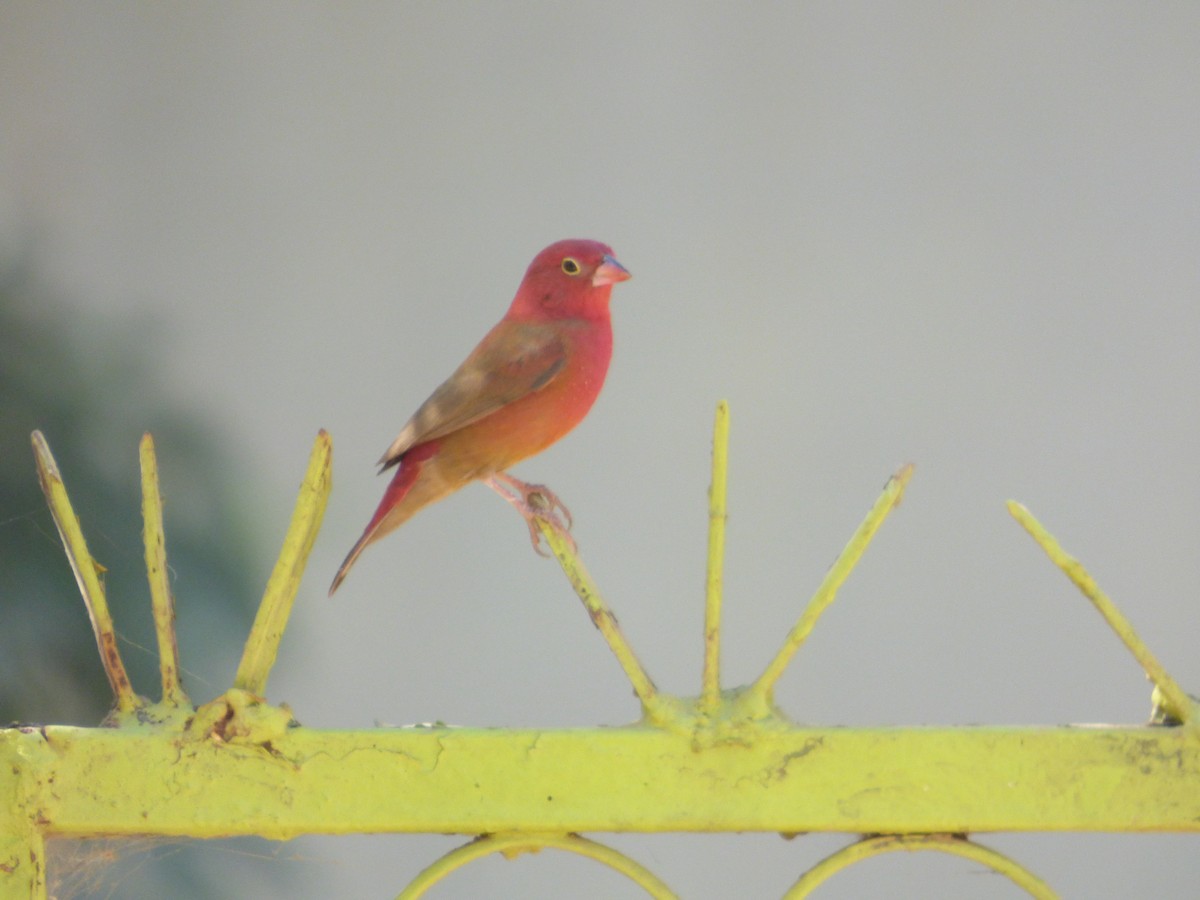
x: 609, y: 272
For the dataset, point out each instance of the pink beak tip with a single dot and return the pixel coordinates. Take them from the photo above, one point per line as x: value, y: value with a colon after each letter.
x: 609, y: 272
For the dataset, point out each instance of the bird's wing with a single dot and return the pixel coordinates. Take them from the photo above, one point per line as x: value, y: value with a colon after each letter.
x: 513, y: 360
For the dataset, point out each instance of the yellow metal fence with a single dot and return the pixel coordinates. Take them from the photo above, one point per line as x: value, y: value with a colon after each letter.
x: 724, y: 760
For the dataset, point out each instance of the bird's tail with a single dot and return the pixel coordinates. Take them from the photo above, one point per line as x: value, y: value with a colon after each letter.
x: 397, y: 490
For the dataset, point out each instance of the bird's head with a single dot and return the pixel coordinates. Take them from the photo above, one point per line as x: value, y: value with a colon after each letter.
x: 569, y: 279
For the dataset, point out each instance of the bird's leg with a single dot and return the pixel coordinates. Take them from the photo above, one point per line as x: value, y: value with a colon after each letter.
x: 535, y: 501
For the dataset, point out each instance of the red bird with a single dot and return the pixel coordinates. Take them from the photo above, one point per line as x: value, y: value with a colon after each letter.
x: 532, y: 378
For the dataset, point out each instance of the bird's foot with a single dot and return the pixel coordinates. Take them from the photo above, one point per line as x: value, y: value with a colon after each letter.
x: 535, y: 502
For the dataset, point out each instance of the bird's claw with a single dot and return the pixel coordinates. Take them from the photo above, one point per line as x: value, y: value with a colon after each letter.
x: 545, y: 505
x: 536, y: 503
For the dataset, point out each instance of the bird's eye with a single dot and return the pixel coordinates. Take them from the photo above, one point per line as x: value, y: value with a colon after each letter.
x: 570, y: 266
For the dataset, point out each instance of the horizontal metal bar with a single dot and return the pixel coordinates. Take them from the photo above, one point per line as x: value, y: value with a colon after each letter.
x: 773, y: 777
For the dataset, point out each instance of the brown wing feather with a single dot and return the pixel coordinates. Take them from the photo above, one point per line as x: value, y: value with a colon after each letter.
x: 513, y: 360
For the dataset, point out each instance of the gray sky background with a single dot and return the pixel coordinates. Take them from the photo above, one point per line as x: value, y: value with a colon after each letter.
x: 963, y: 235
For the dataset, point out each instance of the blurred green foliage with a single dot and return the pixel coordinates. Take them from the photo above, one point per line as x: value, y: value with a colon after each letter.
x: 89, y: 383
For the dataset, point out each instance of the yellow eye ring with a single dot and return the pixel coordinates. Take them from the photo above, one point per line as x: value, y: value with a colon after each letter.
x: 570, y: 265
